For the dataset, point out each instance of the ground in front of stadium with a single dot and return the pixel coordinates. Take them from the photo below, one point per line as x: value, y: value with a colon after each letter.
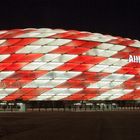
x: 98, y: 125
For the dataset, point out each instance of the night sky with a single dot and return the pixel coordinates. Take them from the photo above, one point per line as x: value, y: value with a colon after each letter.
x: 114, y: 17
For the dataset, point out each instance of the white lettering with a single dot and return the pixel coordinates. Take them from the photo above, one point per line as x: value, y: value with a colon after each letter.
x: 134, y: 59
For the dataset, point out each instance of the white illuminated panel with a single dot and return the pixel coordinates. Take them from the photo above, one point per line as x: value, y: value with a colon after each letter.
x: 104, y: 96
x: 44, y: 83
x: 118, y: 47
x: 58, y: 97
x: 99, y: 52
x: 121, y: 62
x: 7, y: 91
x: 2, y: 32
x: 105, y: 84
x: 2, y: 41
x: 28, y: 49
x: 110, y: 61
x: 138, y: 88
x: 98, y: 37
x: 5, y: 74
x: 99, y: 84
x: 47, y: 57
x: 41, y: 98
x: 98, y: 68
x: 136, y: 44
x: 36, y: 84
x: 30, y: 34
x: 111, y: 69
x: 64, y: 58
x: 54, y: 83
x: 60, y: 42
x: 33, y: 65
x: 118, y: 77
x: 120, y: 93
x: 4, y: 56
x: 49, y: 66
x: 105, y: 46
x: 63, y: 92
x: 47, y: 34
x: 43, y: 41
x: 59, y: 75
x: 59, y: 31
x: 45, y: 49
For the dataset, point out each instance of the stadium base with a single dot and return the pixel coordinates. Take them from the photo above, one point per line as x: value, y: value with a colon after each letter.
x: 76, y: 106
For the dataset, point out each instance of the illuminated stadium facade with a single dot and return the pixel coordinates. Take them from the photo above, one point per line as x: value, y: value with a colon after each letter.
x: 67, y: 65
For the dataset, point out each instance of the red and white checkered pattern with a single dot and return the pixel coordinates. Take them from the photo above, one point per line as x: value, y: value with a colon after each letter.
x: 46, y: 64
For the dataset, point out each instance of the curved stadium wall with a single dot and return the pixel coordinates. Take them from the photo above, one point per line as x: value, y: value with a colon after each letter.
x: 54, y: 64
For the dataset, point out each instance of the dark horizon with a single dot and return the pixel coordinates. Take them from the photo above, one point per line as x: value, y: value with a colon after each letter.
x: 107, y: 17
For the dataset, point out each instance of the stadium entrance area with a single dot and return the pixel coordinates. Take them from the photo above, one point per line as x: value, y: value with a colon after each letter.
x: 78, y: 106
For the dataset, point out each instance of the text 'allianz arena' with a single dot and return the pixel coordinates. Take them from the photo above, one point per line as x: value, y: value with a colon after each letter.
x: 54, y: 64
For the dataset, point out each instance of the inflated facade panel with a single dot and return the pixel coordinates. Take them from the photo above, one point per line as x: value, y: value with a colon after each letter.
x: 55, y: 64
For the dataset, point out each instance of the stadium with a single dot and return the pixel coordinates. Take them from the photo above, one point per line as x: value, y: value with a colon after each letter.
x: 55, y: 68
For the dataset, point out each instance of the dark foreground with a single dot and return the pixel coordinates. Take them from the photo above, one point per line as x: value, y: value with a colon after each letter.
x: 115, y: 125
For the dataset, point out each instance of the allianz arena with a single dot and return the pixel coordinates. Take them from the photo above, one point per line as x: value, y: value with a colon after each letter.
x: 67, y: 65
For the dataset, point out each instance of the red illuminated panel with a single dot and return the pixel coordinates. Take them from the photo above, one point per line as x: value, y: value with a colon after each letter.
x: 13, y: 58
x: 89, y: 96
x: 62, y: 49
x: 2, y: 49
x: 90, y: 45
x: 129, y: 70
x: 136, y: 79
x: 16, y: 95
x: 134, y: 65
x: 34, y: 93
x: 10, y: 42
x: 71, y: 84
x: 75, y: 43
x: 26, y: 41
x: 27, y: 74
x: 3, y: 34
x: 12, y: 33
x: 15, y: 66
x: 95, y: 76
x: 130, y: 49
x: 75, y: 97
x: 136, y: 52
x: 128, y: 96
x: 82, y: 67
x: 29, y: 57
x: 118, y: 40
x: 94, y: 60
x: 66, y: 66
x: 124, y: 55
x: 86, y: 59
x: 127, y: 42
x: 15, y: 32
x: 129, y: 84
x: 78, y: 50
x: 76, y: 84
x: 62, y: 35
x: 136, y: 94
x: 91, y: 76
x: 78, y: 35
x: 4, y: 65
x: 10, y: 49
x: 9, y: 83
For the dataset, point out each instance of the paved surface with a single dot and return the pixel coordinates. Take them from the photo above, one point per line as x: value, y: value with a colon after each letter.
x: 70, y: 126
